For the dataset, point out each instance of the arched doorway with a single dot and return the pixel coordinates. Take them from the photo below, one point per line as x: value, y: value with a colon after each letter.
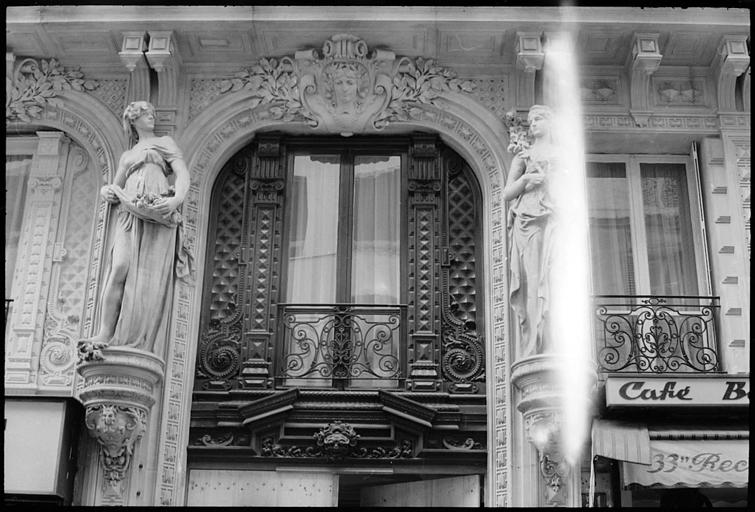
x: 342, y: 324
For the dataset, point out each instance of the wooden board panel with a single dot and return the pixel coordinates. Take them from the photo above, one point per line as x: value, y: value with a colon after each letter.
x: 210, y: 487
x: 458, y: 491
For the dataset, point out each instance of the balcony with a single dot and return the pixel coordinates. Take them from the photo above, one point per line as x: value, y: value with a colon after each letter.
x: 655, y: 334
x: 341, y: 346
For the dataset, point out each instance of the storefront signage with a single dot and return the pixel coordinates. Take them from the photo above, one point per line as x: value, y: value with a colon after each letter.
x: 692, y: 463
x: 663, y: 391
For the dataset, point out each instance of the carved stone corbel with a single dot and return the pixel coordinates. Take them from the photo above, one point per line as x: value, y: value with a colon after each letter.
x: 644, y: 60
x: 529, y: 59
x: 118, y: 394
x: 732, y: 61
x: 164, y: 58
x: 132, y: 56
x: 117, y: 429
x: 543, y: 429
x: 541, y: 401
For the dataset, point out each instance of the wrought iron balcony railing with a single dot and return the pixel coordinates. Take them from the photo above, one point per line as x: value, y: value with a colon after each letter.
x: 341, y: 345
x: 656, y: 334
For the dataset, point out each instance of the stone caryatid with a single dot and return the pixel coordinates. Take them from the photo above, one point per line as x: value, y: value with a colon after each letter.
x: 148, y: 250
x: 531, y: 226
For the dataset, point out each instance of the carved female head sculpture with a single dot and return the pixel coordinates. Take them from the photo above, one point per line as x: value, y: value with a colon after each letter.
x: 540, y: 118
x: 134, y: 111
x: 345, y: 86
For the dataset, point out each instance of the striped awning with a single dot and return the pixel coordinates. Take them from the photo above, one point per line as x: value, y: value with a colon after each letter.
x: 621, y: 441
x: 692, y: 463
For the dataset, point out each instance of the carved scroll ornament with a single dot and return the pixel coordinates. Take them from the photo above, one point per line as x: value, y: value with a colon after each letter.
x: 36, y: 83
x: 344, y: 87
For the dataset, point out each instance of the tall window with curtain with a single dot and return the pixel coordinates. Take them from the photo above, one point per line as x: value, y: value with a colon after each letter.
x: 641, y: 228
x: 327, y: 256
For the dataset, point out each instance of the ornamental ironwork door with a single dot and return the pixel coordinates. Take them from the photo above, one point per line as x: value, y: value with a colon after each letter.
x: 343, y: 263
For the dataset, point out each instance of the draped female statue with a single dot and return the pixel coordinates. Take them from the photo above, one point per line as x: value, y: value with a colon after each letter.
x: 148, y: 251
x: 531, y: 232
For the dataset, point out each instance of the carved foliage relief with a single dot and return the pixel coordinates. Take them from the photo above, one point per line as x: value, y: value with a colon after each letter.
x: 36, y: 83
x: 344, y: 87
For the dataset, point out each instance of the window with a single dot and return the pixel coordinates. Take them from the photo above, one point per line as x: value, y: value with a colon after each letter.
x: 643, y: 215
x: 344, y: 229
x: 343, y: 263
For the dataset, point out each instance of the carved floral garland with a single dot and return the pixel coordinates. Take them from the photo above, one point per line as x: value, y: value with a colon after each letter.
x: 36, y: 84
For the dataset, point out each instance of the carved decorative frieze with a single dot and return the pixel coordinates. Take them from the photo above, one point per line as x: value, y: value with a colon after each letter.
x: 344, y: 88
x: 600, y: 91
x: 36, y: 83
x: 679, y: 92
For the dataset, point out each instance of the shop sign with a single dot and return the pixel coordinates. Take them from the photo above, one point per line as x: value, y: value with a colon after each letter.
x: 664, y: 391
x: 693, y: 464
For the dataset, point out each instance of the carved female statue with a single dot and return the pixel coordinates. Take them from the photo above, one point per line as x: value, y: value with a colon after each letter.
x: 148, y: 249
x: 531, y: 232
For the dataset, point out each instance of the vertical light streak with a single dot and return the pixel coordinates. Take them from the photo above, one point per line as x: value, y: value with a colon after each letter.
x: 570, y: 279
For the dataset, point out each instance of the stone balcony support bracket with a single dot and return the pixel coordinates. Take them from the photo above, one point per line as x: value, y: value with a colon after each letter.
x: 118, y: 393
x: 732, y: 60
x: 644, y: 60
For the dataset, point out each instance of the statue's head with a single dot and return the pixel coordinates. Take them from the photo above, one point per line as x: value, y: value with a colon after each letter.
x: 539, y: 119
x: 134, y: 111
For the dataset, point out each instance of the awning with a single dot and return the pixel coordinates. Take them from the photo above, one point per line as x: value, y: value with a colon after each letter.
x: 692, y: 463
x: 621, y: 441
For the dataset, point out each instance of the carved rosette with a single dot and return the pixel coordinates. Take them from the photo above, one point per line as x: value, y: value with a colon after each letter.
x: 118, y: 393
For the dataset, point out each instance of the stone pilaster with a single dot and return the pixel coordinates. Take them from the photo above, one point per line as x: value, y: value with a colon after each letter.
x: 32, y: 277
x: 119, y: 394
x: 644, y: 60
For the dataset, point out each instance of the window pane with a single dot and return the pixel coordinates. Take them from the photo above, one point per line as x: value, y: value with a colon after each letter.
x: 313, y: 234
x: 610, y: 229
x: 16, y: 175
x: 671, y: 251
x: 375, y: 270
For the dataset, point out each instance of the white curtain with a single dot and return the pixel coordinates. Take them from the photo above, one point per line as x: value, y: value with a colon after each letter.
x: 376, y: 229
x: 610, y: 230
x: 668, y: 229
x: 313, y: 236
